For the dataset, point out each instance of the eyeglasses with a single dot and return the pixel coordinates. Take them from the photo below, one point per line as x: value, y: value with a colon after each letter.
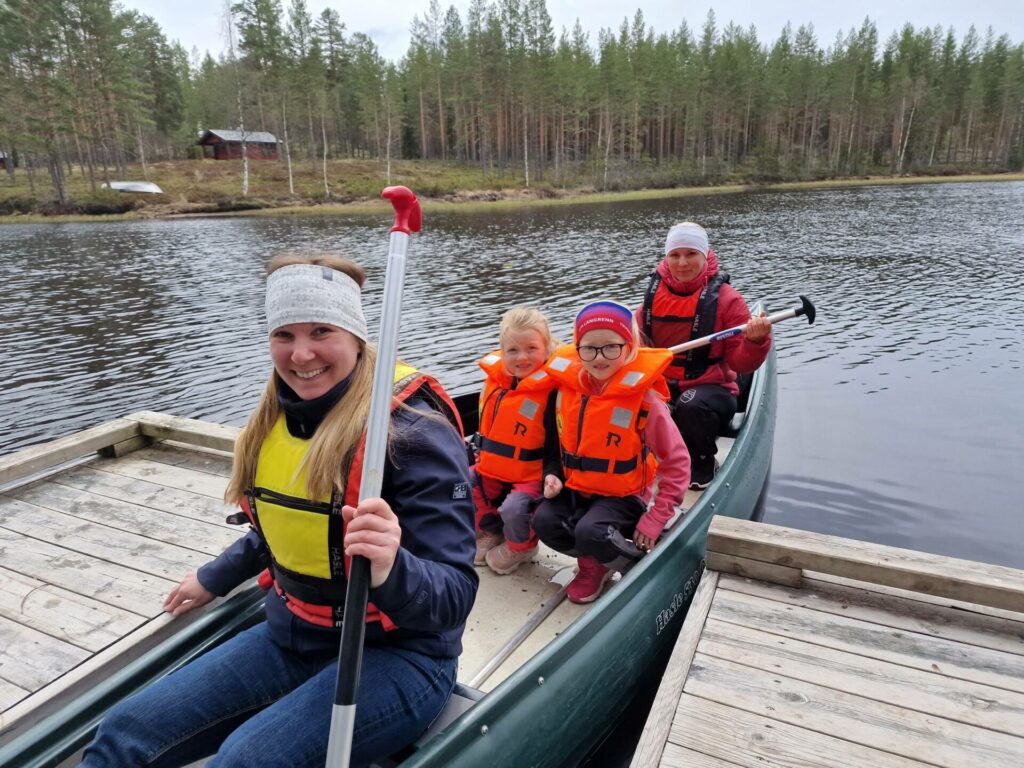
x: 608, y: 352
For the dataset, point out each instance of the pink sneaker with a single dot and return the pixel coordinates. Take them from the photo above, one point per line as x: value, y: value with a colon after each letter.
x: 485, y: 542
x: 589, y: 581
x: 503, y: 559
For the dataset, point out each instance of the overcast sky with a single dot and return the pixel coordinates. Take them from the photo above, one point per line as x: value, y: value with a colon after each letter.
x: 198, y: 23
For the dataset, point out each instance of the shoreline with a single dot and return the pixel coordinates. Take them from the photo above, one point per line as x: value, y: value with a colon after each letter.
x: 476, y: 201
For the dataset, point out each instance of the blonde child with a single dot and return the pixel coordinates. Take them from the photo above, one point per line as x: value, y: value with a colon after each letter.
x: 511, y: 438
x: 616, y: 436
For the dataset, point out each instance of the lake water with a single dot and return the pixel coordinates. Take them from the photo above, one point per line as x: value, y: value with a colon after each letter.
x: 901, y: 411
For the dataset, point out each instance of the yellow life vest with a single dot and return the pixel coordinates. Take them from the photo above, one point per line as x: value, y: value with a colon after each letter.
x: 305, y: 536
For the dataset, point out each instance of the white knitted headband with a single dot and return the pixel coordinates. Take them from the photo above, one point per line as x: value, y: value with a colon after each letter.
x: 687, y: 235
x: 309, y: 293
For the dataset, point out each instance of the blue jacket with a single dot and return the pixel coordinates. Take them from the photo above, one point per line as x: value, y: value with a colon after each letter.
x: 432, y: 586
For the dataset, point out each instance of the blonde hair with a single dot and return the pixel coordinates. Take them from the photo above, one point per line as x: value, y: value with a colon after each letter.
x: 519, y: 319
x: 333, y: 444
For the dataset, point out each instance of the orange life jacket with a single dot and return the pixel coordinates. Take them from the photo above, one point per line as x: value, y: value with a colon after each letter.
x: 305, y: 537
x: 511, y: 435
x: 602, y: 436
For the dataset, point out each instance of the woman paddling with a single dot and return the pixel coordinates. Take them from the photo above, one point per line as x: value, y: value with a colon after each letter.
x: 264, y: 697
x: 688, y: 297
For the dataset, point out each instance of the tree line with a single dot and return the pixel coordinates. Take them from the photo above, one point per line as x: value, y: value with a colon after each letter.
x: 87, y: 86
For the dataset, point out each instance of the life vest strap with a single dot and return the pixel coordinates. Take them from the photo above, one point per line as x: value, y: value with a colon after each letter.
x: 508, y: 451
x: 590, y: 464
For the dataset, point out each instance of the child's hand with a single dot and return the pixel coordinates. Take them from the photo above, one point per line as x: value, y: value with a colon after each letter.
x: 758, y: 329
x: 552, y: 486
x: 646, y: 543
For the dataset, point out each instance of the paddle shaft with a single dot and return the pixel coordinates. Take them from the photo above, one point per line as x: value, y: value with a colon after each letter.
x: 806, y: 308
x: 353, y: 629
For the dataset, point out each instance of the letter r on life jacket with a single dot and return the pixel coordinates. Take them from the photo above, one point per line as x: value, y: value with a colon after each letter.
x: 520, y: 429
x: 613, y: 438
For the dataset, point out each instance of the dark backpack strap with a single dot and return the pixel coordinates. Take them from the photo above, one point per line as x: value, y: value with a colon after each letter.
x: 647, y: 308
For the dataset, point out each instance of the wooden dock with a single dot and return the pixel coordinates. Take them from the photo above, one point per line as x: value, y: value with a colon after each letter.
x: 804, y: 650
x: 90, y: 551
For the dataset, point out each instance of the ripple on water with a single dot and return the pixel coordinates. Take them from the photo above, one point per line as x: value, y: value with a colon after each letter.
x: 917, y: 290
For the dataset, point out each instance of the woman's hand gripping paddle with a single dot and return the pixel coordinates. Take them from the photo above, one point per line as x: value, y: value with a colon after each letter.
x: 805, y: 308
x: 408, y: 218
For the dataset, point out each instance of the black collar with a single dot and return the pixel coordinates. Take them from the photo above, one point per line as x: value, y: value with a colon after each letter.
x: 303, y: 417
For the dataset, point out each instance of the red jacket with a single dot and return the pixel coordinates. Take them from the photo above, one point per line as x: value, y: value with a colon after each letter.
x: 737, y: 355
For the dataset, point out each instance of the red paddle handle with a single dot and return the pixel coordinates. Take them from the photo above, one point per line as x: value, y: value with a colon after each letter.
x: 408, y: 216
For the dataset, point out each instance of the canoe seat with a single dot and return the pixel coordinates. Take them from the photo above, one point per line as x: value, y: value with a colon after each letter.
x: 732, y: 429
x: 463, y: 697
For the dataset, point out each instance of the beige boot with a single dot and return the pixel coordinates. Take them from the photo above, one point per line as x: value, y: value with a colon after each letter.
x: 503, y: 559
x: 486, y: 541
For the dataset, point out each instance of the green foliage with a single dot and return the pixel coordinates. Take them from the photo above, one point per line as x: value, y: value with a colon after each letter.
x: 89, y: 88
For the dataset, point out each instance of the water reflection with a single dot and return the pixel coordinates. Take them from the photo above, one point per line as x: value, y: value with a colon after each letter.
x: 900, y: 410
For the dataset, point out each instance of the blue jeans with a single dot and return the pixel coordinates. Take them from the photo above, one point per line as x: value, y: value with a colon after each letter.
x: 254, y: 703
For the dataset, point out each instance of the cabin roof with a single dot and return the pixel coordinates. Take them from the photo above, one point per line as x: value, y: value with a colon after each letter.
x: 251, y: 137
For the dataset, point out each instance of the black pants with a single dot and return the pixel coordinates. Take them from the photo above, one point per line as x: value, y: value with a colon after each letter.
x: 590, y: 527
x: 701, y: 413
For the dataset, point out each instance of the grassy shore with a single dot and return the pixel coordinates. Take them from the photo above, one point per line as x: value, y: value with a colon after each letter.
x: 213, y: 188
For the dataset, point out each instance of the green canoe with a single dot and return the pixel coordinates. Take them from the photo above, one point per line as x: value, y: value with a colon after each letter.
x: 551, y: 707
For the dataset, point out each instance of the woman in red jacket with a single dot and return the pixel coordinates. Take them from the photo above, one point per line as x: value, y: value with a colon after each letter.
x: 689, y: 297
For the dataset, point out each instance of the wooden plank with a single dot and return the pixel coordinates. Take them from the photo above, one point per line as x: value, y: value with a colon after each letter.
x: 895, y: 684
x: 754, y: 569
x: 681, y: 757
x: 752, y: 741
x: 10, y: 694
x: 66, y: 616
x: 208, y: 537
x: 900, y: 613
x: 38, y: 457
x: 107, y: 582
x: 30, y: 659
x: 948, y: 602
x: 182, y: 478
x: 100, y: 541
x: 130, y: 445
x: 980, y: 665
x: 200, y: 459
x: 659, y: 719
x: 992, y: 585
x: 191, y: 431
x: 861, y: 720
x: 158, y: 498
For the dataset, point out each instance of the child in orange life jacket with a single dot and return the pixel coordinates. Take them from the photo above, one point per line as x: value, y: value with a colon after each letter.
x: 616, y: 436
x: 513, y: 407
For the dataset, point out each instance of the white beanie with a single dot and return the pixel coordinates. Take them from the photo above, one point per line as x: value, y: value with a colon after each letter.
x: 687, y: 235
x: 310, y: 293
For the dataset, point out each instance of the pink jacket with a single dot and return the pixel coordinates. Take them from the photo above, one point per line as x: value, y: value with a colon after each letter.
x: 738, y: 355
x: 662, y: 436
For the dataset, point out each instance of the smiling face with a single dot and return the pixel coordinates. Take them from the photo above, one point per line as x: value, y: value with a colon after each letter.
x: 312, y: 357
x: 601, y: 368
x: 684, y: 264
x: 523, y: 352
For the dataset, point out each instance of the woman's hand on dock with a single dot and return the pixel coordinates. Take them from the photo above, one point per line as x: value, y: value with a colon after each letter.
x: 187, y: 595
x: 552, y: 486
x: 372, y: 531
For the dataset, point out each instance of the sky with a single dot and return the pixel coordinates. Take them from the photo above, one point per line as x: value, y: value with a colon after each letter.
x: 198, y: 23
